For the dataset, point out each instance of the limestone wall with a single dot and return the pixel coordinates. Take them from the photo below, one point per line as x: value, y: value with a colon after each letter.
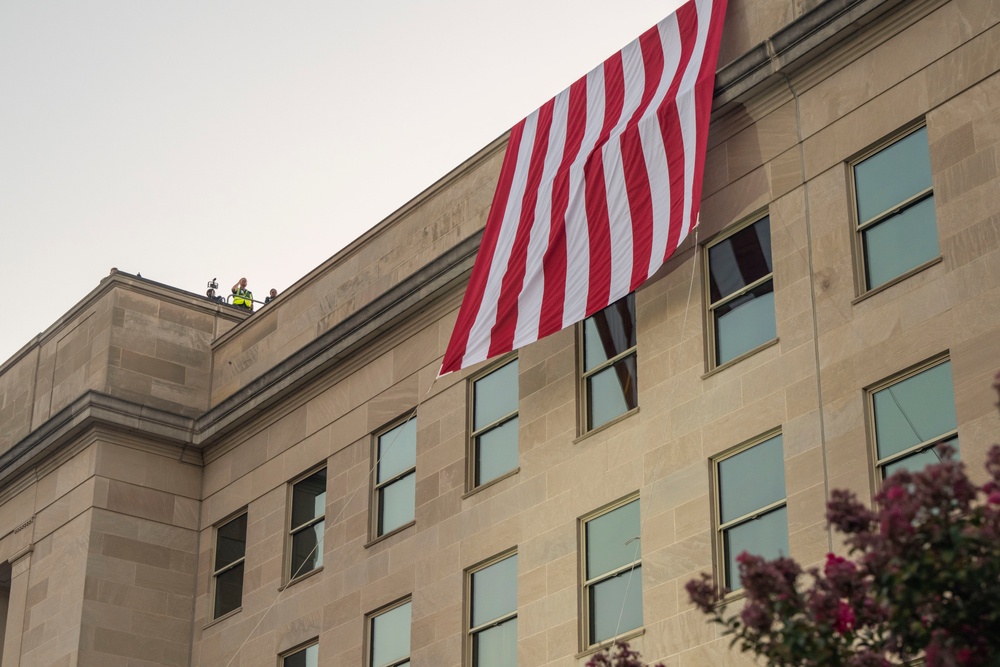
x: 784, y: 152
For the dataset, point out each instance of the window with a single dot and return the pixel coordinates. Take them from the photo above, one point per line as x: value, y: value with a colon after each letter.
x: 612, y: 586
x: 741, y: 292
x: 389, y: 636
x: 493, y: 441
x: 912, y: 414
x: 751, y: 505
x: 230, y: 552
x: 307, y: 524
x: 608, y: 381
x: 492, y: 594
x: 306, y: 657
x: 396, y: 476
x: 895, y: 209
x: 6, y: 574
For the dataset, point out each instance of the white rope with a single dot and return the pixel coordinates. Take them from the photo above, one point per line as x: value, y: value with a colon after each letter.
x: 659, y: 460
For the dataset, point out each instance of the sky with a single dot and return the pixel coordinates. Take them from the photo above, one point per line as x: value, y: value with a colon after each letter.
x: 189, y: 140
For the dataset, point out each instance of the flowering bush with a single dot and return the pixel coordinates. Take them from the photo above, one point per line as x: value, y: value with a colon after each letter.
x: 924, y: 579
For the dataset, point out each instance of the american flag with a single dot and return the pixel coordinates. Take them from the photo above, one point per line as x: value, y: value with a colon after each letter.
x: 598, y: 188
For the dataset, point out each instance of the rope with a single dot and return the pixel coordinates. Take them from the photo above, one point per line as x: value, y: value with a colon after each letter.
x: 659, y: 459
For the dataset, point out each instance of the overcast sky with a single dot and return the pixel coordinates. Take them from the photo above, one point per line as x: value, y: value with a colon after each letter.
x: 190, y: 140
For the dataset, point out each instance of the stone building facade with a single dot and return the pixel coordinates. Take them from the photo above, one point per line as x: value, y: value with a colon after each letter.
x: 184, y: 484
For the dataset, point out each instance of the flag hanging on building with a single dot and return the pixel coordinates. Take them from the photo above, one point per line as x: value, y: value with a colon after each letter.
x: 597, y: 189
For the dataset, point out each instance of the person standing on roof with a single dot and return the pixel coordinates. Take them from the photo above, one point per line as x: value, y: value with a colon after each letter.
x: 242, y: 297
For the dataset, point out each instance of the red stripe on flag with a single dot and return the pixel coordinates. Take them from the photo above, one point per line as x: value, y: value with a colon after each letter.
x: 670, y: 127
x: 640, y: 198
x: 704, y: 90
x: 594, y: 189
x: 502, y: 334
x: 554, y: 262
x: 484, y: 258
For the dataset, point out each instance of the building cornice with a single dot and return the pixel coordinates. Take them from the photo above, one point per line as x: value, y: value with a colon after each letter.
x: 799, y: 44
x: 435, y: 279
x: 130, y: 283
x: 92, y: 408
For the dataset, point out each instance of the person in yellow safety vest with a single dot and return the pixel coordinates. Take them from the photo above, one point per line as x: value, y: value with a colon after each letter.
x: 242, y: 297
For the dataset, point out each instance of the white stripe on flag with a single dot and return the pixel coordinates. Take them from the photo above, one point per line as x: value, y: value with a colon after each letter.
x: 529, y: 302
x: 577, y: 230
x: 479, y: 337
x: 686, y: 108
x: 653, y: 145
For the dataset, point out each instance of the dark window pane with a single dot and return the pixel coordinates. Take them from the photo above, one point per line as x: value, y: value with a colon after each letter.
x: 307, y: 549
x: 309, y: 499
x: 611, y: 392
x: 900, y: 243
x: 915, y: 410
x: 613, y: 599
x: 740, y: 259
x: 766, y: 536
x: 231, y: 542
x: 308, y: 657
x: 496, y: 451
x: 391, y: 635
x: 752, y: 479
x: 893, y: 175
x: 396, y: 503
x: 609, y: 332
x: 229, y: 590
x: 494, y: 591
x: 496, y: 646
x: 397, y: 449
x: 612, y: 539
x: 745, y: 322
x: 495, y: 395
x: 917, y: 461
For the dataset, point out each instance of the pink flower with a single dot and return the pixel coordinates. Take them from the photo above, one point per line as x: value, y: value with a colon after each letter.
x: 845, y: 618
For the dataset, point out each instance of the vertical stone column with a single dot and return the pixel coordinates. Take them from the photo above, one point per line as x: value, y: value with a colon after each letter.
x: 20, y: 564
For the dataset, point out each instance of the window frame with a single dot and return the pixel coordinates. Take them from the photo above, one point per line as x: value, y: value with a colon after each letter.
x: 711, y: 337
x: 586, y: 585
x: 290, y: 530
x: 295, y: 650
x: 470, y: 631
x: 719, y: 527
x: 878, y: 464
x: 213, y: 588
x: 858, y: 247
x: 375, y: 502
x: 471, y: 453
x: 369, y: 631
x: 582, y: 374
